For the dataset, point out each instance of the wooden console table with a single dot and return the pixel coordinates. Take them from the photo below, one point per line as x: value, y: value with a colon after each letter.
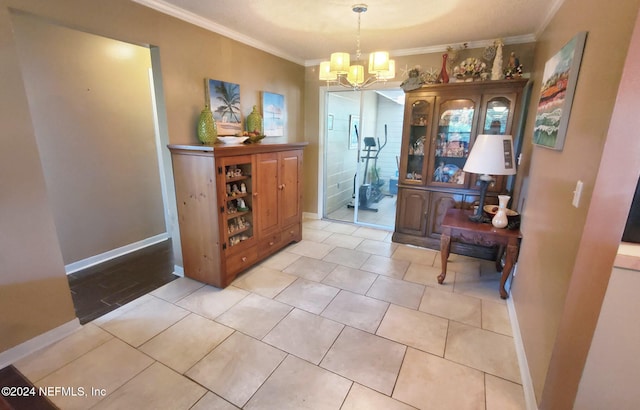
x: 456, y: 226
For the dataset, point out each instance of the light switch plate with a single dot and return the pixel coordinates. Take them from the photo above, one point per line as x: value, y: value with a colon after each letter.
x: 577, y: 194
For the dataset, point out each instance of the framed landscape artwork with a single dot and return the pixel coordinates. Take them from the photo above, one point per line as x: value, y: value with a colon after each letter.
x: 556, y: 96
x: 273, y: 114
x: 224, y: 100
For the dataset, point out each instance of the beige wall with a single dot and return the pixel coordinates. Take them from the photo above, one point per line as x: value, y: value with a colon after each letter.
x: 567, y: 253
x: 90, y: 101
x: 34, y: 293
x: 30, y: 286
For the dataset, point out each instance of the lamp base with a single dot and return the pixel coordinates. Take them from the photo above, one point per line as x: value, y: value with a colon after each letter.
x: 484, y: 184
x: 476, y: 218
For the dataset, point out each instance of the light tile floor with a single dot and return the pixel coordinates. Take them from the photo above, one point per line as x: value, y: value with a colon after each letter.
x: 345, y: 319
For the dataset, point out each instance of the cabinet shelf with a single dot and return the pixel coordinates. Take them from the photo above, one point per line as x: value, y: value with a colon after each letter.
x: 240, y: 178
x: 238, y: 231
x: 451, y: 157
x: 237, y: 196
x: 237, y: 214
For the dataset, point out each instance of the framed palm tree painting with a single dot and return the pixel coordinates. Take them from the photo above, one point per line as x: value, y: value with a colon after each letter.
x: 224, y: 101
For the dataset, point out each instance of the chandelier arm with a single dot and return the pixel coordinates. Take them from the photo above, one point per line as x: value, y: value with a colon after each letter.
x: 356, y: 71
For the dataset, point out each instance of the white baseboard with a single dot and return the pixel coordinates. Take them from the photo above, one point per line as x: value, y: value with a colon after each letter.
x: 523, y: 364
x: 32, y: 345
x: 114, y: 253
x: 310, y: 215
x: 178, y: 270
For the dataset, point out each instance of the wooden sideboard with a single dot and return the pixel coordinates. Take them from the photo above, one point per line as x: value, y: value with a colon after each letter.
x: 237, y: 204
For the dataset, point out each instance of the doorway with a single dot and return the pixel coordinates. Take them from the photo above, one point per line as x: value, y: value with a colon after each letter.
x: 362, y: 146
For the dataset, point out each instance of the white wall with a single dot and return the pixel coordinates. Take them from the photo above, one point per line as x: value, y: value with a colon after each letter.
x: 612, y: 370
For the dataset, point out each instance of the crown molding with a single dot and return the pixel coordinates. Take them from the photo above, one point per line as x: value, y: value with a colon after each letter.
x: 206, y: 24
x: 555, y: 6
x: 527, y: 38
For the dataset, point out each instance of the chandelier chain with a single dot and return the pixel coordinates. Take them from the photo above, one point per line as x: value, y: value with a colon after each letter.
x: 358, y: 54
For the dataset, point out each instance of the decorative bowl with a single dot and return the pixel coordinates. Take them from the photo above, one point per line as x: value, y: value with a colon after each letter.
x: 492, y: 209
x: 233, y: 140
x: 255, y: 138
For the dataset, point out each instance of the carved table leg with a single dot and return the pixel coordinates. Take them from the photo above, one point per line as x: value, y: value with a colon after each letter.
x: 445, y: 246
x: 510, y: 260
x: 499, y: 258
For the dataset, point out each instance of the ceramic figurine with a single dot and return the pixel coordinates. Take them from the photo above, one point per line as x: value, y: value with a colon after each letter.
x: 496, y: 69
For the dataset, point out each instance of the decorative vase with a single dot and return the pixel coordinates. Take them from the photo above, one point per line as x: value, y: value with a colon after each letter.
x: 500, y: 218
x: 207, y: 128
x: 496, y: 69
x: 444, y: 76
x: 254, y: 121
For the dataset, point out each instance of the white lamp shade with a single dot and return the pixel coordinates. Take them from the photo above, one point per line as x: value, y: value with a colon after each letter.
x: 390, y: 73
x: 340, y: 63
x: 491, y: 155
x: 325, y: 72
x: 378, y: 62
x: 356, y: 74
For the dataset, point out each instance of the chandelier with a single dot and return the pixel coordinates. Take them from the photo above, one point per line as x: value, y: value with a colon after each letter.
x: 339, y: 71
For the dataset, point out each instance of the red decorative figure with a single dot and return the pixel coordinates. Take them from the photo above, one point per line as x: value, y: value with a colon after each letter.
x: 444, y: 76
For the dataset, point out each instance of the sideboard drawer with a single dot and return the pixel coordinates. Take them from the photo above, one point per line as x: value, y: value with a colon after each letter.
x: 241, y: 261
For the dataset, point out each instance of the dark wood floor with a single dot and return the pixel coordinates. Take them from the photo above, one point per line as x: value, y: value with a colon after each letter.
x: 96, y: 291
x: 105, y: 287
x: 21, y: 394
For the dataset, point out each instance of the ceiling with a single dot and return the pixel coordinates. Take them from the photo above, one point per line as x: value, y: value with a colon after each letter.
x: 308, y: 31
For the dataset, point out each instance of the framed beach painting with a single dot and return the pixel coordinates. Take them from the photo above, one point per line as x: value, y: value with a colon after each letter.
x: 556, y: 96
x: 224, y: 100
x: 274, y: 114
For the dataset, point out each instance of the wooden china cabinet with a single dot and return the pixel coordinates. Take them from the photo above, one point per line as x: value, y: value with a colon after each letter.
x: 441, y: 122
x: 237, y: 204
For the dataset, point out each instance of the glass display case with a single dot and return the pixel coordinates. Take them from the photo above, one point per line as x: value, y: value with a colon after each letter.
x: 418, y: 144
x: 453, y: 140
x: 238, y: 208
x: 441, y: 123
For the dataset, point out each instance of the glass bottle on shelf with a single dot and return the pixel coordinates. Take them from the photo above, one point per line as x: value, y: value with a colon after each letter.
x: 452, y: 142
x: 238, y: 204
x: 418, y: 132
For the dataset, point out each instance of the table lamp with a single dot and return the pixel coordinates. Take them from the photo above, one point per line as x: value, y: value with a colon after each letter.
x: 490, y: 155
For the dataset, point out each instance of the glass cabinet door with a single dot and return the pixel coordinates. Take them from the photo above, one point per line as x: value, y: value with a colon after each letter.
x: 453, y: 140
x: 414, y: 165
x: 497, y: 118
x: 238, y: 204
